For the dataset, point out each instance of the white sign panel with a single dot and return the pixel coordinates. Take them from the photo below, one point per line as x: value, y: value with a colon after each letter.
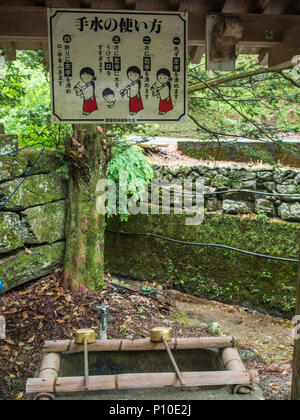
x: 118, y: 67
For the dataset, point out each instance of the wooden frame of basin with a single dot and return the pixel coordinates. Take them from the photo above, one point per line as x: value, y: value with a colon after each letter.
x: 48, y: 383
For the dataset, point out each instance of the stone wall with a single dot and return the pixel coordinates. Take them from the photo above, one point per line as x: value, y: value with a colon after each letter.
x: 215, y: 273
x: 32, y: 231
x: 240, y: 151
x: 261, y: 180
x: 32, y: 222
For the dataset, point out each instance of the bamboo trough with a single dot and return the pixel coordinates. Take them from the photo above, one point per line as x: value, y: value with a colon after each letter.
x: 48, y: 383
x: 141, y: 345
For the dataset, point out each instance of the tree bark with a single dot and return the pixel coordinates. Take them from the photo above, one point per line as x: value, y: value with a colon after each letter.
x: 296, y: 362
x: 84, y: 258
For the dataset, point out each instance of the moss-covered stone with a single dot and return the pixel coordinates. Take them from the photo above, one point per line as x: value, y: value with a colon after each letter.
x: 44, y: 224
x: 12, y: 167
x: 220, y: 181
x: 10, y: 232
x: 237, y: 207
x: 49, y: 161
x: 265, y: 176
x: 36, y: 190
x: 290, y: 212
x: 8, y: 143
x: 24, y: 266
x: 206, y: 271
x: 19, y: 164
x: 2, y: 131
x: 288, y: 189
x: 265, y: 206
x: 213, y: 204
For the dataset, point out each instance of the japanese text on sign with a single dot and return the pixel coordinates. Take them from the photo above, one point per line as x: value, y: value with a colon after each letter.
x: 117, y: 67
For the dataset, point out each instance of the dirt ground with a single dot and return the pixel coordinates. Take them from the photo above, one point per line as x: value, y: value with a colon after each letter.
x: 170, y: 156
x: 265, y: 342
x: 261, y: 338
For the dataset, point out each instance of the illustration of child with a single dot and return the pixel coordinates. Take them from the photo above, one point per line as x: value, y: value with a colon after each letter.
x: 162, y: 89
x: 86, y: 89
x: 133, y: 90
x: 109, y: 97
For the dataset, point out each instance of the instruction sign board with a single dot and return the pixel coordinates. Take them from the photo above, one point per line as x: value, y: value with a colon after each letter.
x: 118, y: 67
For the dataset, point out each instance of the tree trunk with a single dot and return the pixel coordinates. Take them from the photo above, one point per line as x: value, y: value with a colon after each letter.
x: 84, y: 259
x: 296, y: 362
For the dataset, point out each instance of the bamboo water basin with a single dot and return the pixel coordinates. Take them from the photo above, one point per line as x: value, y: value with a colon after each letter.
x: 116, y: 365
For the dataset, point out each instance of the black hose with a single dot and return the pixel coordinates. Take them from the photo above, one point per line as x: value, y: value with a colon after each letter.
x: 153, y: 235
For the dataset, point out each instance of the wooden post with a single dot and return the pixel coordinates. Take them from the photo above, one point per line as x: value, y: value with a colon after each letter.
x: 233, y: 363
x: 296, y: 361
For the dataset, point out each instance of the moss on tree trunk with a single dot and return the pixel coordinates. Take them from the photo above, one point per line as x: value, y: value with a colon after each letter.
x: 84, y: 258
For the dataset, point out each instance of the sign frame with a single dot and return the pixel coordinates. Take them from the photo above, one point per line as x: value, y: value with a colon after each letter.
x: 57, y: 119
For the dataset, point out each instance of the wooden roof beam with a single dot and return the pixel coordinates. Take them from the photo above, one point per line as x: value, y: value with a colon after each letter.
x: 174, y: 5
x: 29, y: 24
x: 9, y: 50
x: 294, y: 7
x: 217, y: 5
x: 277, y: 7
x: 196, y: 54
x: 288, y: 49
x: 45, y: 47
x: 233, y: 6
x: 260, y: 6
x: 130, y: 4
x: 39, y: 3
x: 263, y: 57
x: 86, y: 4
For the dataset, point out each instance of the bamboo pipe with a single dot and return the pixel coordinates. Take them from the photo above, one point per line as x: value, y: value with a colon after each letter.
x: 63, y: 346
x: 50, y: 365
x: 49, y: 370
x: 173, y: 361
x: 233, y: 363
x: 137, y: 381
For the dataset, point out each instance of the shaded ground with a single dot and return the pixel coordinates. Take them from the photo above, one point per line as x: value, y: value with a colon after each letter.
x: 170, y: 156
x: 270, y: 337
x: 265, y: 343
